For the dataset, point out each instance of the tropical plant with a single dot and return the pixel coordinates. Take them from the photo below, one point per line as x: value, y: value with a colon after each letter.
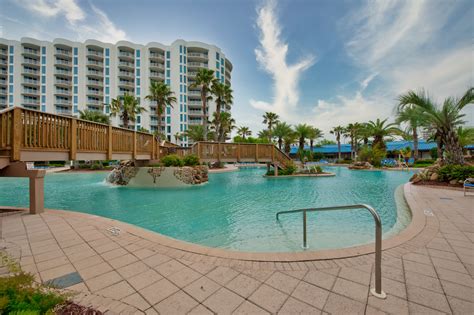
x: 270, y: 119
x: 127, y: 107
x: 161, y: 94
x: 466, y: 136
x: 195, y: 133
x: 442, y: 119
x: 178, y: 137
x: 379, y: 130
x: 223, y: 96
x: 314, y: 134
x: 281, y: 130
x: 289, y: 140
x: 172, y: 160
x: 95, y: 116
x: 204, y: 80
x: 222, y: 126
x: 338, y: 131
x: 455, y: 172
x: 303, y: 132
x: 191, y: 160
x: 244, y: 132
x: 265, y: 134
x: 352, y: 131
x: 143, y: 129
x: 413, y: 117
x: 373, y: 155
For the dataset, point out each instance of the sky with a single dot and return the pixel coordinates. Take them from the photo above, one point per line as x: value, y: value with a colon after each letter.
x: 321, y: 62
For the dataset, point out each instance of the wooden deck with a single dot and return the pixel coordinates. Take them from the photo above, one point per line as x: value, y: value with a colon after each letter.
x: 29, y: 135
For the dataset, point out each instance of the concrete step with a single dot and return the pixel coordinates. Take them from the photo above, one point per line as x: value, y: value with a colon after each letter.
x: 4, y: 161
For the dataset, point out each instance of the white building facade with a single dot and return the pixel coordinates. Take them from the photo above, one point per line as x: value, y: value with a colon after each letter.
x: 65, y: 77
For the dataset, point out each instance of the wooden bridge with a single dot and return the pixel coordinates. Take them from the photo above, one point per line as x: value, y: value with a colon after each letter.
x: 29, y: 136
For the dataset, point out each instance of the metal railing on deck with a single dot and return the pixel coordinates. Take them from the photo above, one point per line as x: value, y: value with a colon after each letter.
x: 378, y: 237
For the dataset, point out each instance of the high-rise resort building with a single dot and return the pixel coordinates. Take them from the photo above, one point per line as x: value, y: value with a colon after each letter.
x: 66, y: 77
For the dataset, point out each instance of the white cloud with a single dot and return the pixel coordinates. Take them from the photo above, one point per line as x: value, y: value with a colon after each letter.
x: 94, y: 24
x: 403, y: 45
x: 271, y: 55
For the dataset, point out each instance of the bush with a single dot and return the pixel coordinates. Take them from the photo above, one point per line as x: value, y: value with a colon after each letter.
x: 20, y: 295
x: 457, y: 172
x: 423, y: 163
x: 172, y: 160
x: 434, y: 153
x: 84, y: 166
x: 97, y: 166
x: 191, y: 160
x: 289, y: 169
x: 344, y: 161
x: 373, y: 155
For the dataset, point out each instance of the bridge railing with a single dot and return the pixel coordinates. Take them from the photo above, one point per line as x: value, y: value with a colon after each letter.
x: 29, y: 135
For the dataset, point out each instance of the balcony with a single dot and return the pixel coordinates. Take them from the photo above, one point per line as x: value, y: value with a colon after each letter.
x: 195, y: 112
x: 93, y: 102
x: 94, y: 63
x: 63, y: 72
x: 63, y: 102
x: 127, y: 74
x: 30, y: 51
x: 3, y: 72
x: 3, y: 62
x: 197, y: 56
x: 157, y: 65
x: 28, y: 91
x: 3, y: 51
x: 62, y: 62
x: 63, y: 111
x: 95, y: 83
x: 63, y: 52
x: 63, y: 92
x: 30, y: 61
x: 3, y: 91
x: 157, y: 55
x: 95, y: 92
x: 128, y: 92
x: 197, y: 65
x: 126, y: 54
x: 157, y: 75
x: 63, y: 82
x: 95, y: 73
x: 3, y: 82
x: 193, y: 92
x: 28, y: 81
x: 30, y: 102
x: 94, y: 53
x: 194, y: 103
x: 126, y: 83
x: 125, y: 64
x: 192, y: 74
x: 194, y: 122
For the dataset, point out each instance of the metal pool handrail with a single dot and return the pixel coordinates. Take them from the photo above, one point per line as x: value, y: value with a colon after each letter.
x: 378, y: 238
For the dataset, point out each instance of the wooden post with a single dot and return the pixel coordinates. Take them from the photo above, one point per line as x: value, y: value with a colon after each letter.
x: 109, y: 147
x: 219, y: 152
x: 275, y: 167
x: 256, y: 152
x: 273, y: 153
x: 238, y: 152
x: 73, y: 149
x: 134, y: 153
x: 153, y: 148
x: 17, y: 134
x: 36, y: 178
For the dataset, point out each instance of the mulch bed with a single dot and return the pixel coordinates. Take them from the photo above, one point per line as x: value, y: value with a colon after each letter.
x: 74, y: 309
x: 436, y: 183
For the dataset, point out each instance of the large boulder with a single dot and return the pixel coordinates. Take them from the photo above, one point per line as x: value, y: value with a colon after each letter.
x: 359, y: 165
x: 434, y: 177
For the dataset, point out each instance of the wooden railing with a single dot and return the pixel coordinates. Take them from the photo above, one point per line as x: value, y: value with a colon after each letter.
x: 29, y: 135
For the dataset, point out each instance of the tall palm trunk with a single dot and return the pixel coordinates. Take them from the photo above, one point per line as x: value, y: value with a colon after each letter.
x: 301, y: 143
x: 204, y: 110
x: 158, y: 115
x: 415, y: 144
x: 280, y: 143
x: 454, y: 154
x: 125, y: 120
x: 338, y: 148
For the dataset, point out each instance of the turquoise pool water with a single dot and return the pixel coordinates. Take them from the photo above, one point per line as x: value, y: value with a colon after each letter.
x: 234, y: 210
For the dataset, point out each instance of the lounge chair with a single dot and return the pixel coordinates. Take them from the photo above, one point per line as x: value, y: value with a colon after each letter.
x: 468, y: 184
x: 411, y: 161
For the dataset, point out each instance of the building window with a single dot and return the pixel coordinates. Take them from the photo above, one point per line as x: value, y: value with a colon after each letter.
x: 75, y: 80
x: 180, y: 58
x: 138, y: 81
x: 137, y: 53
x: 138, y: 91
x: 138, y: 72
x: 43, y: 89
x: 138, y: 62
x: 217, y: 56
x: 168, y: 63
x: 107, y: 62
x: 107, y: 71
x: 75, y: 70
x: 168, y: 55
x: 43, y: 79
x: 180, y: 49
x: 43, y: 60
x: 76, y: 61
x: 75, y: 90
x: 76, y: 50
x: 107, y: 90
x: 12, y: 49
x: 107, y: 52
x: 107, y: 81
x: 43, y: 50
x: 168, y: 73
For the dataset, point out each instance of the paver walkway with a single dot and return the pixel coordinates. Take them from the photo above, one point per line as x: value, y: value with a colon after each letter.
x: 132, y: 272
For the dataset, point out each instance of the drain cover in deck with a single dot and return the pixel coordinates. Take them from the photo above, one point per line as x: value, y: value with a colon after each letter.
x: 65, y: 281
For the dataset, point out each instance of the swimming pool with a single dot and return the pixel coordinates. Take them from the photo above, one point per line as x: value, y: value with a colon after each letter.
x: 236, y: 210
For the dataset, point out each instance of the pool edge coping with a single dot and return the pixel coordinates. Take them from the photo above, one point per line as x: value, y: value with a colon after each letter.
x: 417, y: 225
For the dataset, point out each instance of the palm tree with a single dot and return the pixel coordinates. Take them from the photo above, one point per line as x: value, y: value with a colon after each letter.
x: 352, y: 131
x: 270, y: 119
x: 178, y: 137
x: 204, y: 79
x: 223, y: 126
x: 303, y: 131
x: 289, y: 140
x: 338, y: 131
x: 195, y: 133
x: 223, y: 96
x: 127, y: 107
x: 162, y: 95
x: 244, y: 131
x: 314, y: 134
x: 265, y: 135
x: 378, y: 129
x: 466, y: 135
x: 443, y: 119
x: 413, y: 117
x: 95, y: 116
x: 281, y: 130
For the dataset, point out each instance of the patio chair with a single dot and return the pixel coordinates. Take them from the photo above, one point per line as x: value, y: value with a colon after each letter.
x: 468, y: 184
x: 411, y: 161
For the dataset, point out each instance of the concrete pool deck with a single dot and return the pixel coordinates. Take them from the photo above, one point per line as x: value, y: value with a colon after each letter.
x: 428, y: 268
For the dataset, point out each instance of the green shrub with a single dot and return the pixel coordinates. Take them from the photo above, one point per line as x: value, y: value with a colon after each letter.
x: 191, y: 160
x: 172, y: 160
x: 457, y: 172
x: 373, y: 155
x: 344, y: 161
x: 97, y: 166
x: 20, y: 295
x: 84, y: 166
x: 319, y: 170
x: 434, y: 153
x: 290, y: 169
x: 423, y: 163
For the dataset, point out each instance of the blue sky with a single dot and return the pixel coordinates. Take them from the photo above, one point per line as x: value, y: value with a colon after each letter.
x: 319, y: 62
